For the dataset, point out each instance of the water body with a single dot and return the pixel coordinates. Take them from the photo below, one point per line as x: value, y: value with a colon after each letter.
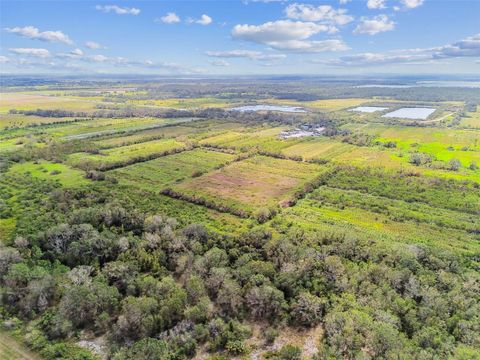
x: 368, y: 109
x: 289, y: 109
x: 391, y: 86
x: 410, y: 113
x: 433, y: 83
x: 450, y: 83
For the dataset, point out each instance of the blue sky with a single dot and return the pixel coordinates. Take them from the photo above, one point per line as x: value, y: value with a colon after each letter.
x: 241, y: 37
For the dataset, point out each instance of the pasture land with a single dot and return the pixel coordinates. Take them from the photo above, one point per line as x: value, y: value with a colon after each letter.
x: 61, y: 173
x: 154, y: 175
x: 328, y: 105
x: 274, y: 181
x: 11, y: 349
x: 21, y: 101
x: 318, y: 218
x: 127, y: 153
x: 20, y: 120
x: 187, y: 104
x: 471, y: 120
x: 267, y: 140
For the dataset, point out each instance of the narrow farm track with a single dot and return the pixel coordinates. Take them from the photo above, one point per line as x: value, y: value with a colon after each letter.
x: 437, y: 119
x: 10, y: 349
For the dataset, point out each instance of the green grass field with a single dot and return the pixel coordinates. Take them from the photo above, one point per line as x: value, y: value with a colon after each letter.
x: 21, y: 101
x: 11, y: 349
x: 61, y: 173
x: 125, y: 153
x: 156, y: 174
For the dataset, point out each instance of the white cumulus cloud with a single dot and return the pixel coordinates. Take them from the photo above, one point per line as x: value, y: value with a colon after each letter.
x: 118, y: 9
x: 288, y: 35
x: 375, y: 25
x: 4, y: 59
x: 323, y: 13
x: 97, y: 58
x: 465, y: 48
x: 169, y: 18
x: 204, y: 20
x: 94, y: 45
x: 219, y: 62
x: 376, y: 4
x: 411, y: 4
x: 77, y: 52
x: 249, y: 54
x: 31, y: 32
x: 37, y: 52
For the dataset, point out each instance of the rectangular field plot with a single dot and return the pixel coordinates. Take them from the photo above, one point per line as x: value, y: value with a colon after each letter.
x: 156, y: 174
x: 175, y: 128
x: 144, y: 135
x: 45, y: 170
x: 320, y: 148
x: 245, y: 186
x: 410, y: 113
x: 261, y: 139
x: 317, y: 218
x: 21, y: 101
x: 126, y: 154
x: 324, y: 105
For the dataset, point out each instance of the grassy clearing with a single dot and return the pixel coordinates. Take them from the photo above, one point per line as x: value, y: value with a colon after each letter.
x: 182, y: 131
x: 397, y: 210
x: 325, y: 105
x: 471, y: 120
x: 126, y: 153
x: 252, y: 183
x: 144, y: 135
x: 61, y: 173
x: 20, y: 120
x: 32, y: 102
x: 194, y: 103
x: 7, y: 227
x: 318, y: 148
x: 97, y: 126
x: 313, y: 216
x: 439, y: 193
x: 11, y: 349
x: 12, y: 144
x: 260, y: 139
x: 151, y: 202
x: 155, y: 174
x: 406, y: 135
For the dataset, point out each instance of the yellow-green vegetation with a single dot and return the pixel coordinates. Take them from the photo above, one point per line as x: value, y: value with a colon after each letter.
x: 192, y: 103
x: 97, y: 127
x: 21, y: 101
x: 12, y: 144
x: 325, y: 105
x: 154, y: 175
x: 318, y: 148
x: 471, y: 120
x: 20, y: 120
x: 11, y: 349
x: 260, y: 139
x: 321, y: 218
x: 145, y: 135
x: 124, y: 154
x: 61, y: 173
x: 234, y: 186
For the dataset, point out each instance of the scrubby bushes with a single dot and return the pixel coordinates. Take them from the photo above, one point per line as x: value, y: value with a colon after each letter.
x: 156, y: 289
